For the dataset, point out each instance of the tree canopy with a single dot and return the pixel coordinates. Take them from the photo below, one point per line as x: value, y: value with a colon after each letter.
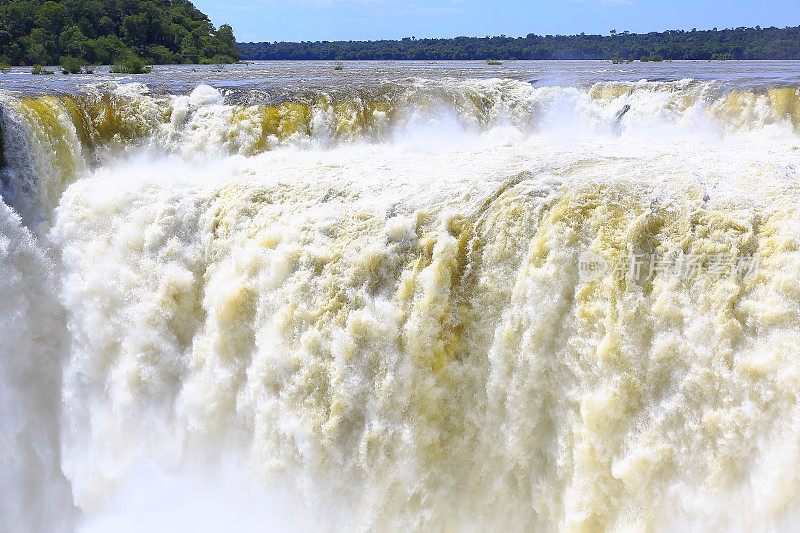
x: 105, y: 31
x: 738, y: 43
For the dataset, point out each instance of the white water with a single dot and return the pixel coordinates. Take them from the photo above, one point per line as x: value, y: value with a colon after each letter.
x: 33, y: 345
x: 382, y: 324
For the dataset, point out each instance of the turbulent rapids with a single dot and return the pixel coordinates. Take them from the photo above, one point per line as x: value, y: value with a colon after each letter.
x: 378, y: 308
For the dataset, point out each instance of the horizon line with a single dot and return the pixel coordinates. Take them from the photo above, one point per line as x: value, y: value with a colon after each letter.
x: 757, y: 27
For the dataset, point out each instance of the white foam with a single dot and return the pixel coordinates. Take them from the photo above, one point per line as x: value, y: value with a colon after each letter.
x: 389, y: 330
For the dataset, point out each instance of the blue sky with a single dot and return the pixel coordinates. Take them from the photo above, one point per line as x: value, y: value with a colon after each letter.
x: 312, y: 20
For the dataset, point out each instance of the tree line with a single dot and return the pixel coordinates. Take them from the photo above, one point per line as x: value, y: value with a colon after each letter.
x: 736, y: 43
x: 39, y: 32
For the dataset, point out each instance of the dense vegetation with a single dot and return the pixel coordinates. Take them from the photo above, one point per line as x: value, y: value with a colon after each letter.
x: 38, y: 32
x: 739, y: 43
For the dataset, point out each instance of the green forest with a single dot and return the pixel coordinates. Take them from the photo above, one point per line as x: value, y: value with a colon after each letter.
x: 738, y: 43
x: 37, y: 32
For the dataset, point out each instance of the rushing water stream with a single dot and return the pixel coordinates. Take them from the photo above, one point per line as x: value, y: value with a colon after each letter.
x: 475, y: 299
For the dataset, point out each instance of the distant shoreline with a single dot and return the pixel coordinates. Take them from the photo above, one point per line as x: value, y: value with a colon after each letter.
x: 695, y: 45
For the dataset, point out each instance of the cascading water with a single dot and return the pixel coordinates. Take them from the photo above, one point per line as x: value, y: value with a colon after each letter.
x: 369, y: 310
